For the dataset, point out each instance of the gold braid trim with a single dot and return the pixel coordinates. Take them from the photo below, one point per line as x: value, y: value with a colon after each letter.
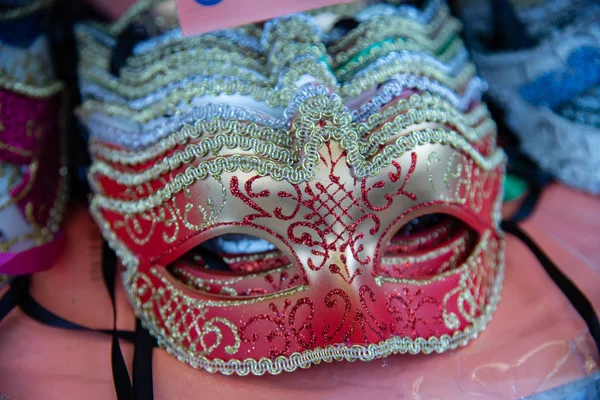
x: 433, y: 46
x: 35, y: 91
x: 260, y: 146
x: 133, y: 90
x: 358, y: 85
x: 478, y: 116
x: 377, y: 23
x: 188, y: 61
x: 305, y: 170
x: 277, y: 137
x: 188, y: 43
x: 373, y: 53
x: 271, y: 96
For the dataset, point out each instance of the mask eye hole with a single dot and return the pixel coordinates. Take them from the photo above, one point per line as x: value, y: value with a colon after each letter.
x: 236, y: 265
x: 426, y: 246
x: 238, y: 253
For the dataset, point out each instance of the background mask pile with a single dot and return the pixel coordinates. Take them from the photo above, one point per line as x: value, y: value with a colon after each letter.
x: 33, y: 176
x: 546, y: 77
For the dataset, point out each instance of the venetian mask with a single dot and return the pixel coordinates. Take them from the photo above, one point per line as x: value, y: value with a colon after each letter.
x: 338, y: 224
x: 32, y: 173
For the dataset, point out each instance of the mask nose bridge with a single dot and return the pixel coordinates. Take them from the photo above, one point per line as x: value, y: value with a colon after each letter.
x: 350, y: 249
x: 347, y: 269
x: 345, y: 266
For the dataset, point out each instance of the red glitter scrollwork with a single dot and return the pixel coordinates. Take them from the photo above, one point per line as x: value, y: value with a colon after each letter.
x: 278, y: 212
x: 335, y: 269
x: 331, y: 302
x: 355, y: 237
x: 407, y: 313
x: 286, y: 332
x: 394, y: 177
x: 363, y: 301
x: 319, y: 249
x: 360, y: 323
x: 283, y: 282
x: 235, y: 191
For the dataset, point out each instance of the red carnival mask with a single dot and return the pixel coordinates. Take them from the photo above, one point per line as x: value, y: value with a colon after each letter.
x: 351, y: 272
